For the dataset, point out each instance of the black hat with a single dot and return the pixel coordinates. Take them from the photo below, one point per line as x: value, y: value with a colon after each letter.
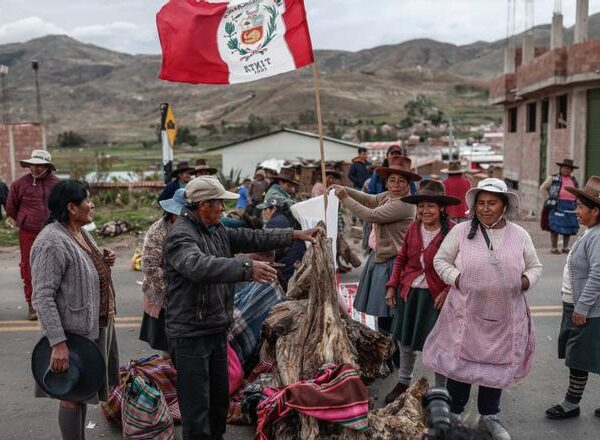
x: 287, y: 175
x: 181, y: 167
x: 431, y: 191
x: 567, y: 163
x: 83, y: 379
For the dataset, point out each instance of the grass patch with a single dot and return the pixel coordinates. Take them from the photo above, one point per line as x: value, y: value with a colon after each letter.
x: 8, y: 236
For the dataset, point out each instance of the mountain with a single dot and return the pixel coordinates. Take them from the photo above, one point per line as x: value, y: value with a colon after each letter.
x: 107, y: 95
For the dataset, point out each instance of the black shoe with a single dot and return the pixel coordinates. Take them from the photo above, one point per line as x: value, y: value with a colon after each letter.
x: 597, y: 412
x: 558, y: 413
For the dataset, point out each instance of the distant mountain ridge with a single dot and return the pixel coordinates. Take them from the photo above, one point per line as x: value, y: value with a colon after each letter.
x: 113, y: 95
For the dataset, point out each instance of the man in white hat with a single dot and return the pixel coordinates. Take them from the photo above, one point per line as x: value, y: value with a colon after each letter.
x: 27, y: 205
x: 201, y: 268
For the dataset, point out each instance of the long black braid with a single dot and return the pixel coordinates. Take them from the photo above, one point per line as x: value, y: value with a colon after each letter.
x: 445, y: 223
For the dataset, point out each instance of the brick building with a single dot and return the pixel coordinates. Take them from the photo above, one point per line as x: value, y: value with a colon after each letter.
x: 551, y: 100
x: 17, y: 141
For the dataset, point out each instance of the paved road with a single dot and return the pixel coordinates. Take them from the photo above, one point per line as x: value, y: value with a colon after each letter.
x: 523, y: 404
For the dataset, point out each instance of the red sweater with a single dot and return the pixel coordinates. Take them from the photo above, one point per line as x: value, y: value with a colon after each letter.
x: 457, y: 186
x: 408, y: 265
x: 27, y: 201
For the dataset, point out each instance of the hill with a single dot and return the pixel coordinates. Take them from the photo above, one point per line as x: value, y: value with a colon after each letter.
x: 108, y: 95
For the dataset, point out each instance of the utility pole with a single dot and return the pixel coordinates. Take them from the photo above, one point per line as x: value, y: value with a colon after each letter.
x: 3, y: 74
x: 35, y: 65
x: 451, y: 139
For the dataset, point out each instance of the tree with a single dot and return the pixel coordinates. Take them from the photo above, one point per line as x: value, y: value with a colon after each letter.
x: 70, y: 139
x: 185, y: 136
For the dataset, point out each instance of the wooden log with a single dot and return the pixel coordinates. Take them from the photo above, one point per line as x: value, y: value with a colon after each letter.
x: 401, y: 419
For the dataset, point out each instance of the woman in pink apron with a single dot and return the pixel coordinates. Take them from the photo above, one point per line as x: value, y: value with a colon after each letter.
x: 484, y: 335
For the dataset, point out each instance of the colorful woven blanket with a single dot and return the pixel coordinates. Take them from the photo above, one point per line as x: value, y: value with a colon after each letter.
x: 336, y: 395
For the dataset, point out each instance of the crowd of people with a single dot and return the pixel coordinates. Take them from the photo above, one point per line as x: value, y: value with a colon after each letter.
x: 447, y: 274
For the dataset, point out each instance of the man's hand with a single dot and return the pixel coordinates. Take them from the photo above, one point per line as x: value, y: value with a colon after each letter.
x: 339, y: 191
x: 390, y: 297
x: 263, y: 272
x: 59, y: 359
x: 308, y: 235
x: 109, y: 257
x: 578, y: 319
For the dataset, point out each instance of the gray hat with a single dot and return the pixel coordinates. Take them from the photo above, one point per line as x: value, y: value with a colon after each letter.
x: 176, y: 204
x: 278, y: 202
x: 203, y: 188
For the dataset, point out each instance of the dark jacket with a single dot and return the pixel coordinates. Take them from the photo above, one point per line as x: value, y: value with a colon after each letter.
x: 169, y: 191
x: 289, y: 255
x: 201, y: 269
x: 27, y: 201
x: 358, y: 173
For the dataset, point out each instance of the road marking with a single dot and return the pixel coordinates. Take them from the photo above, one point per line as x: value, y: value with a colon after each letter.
x: 545, y: 307
x: 538, y: 314
x: 117, y: 319
x: 30, y: 328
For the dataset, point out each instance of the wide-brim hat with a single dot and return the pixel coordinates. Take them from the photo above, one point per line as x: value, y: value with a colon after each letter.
x: 335, y: 173
x: 287, y: 175
x: 203, y: 166
x: 182, y: 167
x: 431, y: 191
x: 454, y: 167
x: 496, y: 186
x: 176, y: 204
x: 591, y: 190
x: 400, y: 165
x: 38, y: 157
x: 567, y: 163
x: 84, y: 377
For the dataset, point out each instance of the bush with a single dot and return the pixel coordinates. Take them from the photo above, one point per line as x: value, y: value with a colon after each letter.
x: 70, y: 139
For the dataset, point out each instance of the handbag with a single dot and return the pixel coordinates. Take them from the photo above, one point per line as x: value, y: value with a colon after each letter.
x: 145, y: 413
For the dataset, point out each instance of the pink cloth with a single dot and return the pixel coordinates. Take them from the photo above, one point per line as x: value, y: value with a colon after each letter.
x: 484, y: 334
x: 564, y: 194
x: 235, y: 371
x: 373, y: 237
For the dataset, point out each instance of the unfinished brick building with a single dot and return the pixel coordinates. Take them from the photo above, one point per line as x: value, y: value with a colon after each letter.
x: 551, y: 102
x: 17, y: 141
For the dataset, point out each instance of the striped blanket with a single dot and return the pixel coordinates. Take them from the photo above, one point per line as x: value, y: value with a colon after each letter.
x: 336, y: 395
x: 252, y: 304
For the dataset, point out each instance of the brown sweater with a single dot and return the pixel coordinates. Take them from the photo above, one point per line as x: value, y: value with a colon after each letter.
x: 391, y: 215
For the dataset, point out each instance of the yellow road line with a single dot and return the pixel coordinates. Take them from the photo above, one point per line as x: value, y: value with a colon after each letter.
x: 32, y: 328
x: 545, y: 307
x: 538, y: 314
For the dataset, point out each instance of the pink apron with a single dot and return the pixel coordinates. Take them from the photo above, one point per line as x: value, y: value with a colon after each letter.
x: 484, y: 334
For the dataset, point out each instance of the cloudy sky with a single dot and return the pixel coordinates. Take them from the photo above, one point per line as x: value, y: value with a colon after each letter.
x: 129, y: 25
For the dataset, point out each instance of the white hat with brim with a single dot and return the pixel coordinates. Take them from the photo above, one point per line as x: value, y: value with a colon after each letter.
x: 495, y: 186
x: 38, y: 157
x: 203, y: 188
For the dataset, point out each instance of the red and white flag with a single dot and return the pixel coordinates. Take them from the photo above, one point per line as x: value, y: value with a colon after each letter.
x: 224, y: 42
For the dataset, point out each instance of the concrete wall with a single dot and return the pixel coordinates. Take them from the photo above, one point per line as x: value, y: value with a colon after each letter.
x: 25, y: 138
x: 245, y: 156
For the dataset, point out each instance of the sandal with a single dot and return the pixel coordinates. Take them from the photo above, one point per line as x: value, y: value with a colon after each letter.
x: 555, y: 251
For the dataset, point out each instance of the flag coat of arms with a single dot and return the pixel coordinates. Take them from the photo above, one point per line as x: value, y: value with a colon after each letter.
x: 224, y: 42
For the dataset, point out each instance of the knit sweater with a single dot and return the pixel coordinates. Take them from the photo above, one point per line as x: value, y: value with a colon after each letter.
x: 66, y: 288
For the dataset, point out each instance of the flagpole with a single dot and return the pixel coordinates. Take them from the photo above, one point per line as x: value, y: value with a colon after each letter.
x: 315, y: 71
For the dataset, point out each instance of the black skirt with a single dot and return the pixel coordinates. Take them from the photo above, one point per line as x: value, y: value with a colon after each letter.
x: 579, y: 346
x: 153, y: 331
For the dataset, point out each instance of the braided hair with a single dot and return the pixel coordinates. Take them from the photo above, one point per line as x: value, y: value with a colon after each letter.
x: 444, y: 222
x: 475, y: 221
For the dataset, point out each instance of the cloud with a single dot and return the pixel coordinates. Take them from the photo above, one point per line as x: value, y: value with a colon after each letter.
x: 119, y: 36
x: 27, y: 28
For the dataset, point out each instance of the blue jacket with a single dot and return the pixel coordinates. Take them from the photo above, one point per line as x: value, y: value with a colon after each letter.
x: 289, y: 255
x: 358, y: 173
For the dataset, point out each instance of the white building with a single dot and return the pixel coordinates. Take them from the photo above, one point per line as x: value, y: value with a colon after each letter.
x: 246, y: 154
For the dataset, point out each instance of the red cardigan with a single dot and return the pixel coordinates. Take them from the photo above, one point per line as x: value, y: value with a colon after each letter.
x: 408, y: 266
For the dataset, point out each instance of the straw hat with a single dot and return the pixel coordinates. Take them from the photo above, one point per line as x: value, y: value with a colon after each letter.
x: 495, y: 186
x: 431, y: 191
x: 400, y: 165
x: 591, y: 191
x: 454, y: 167
x: 38, y: 157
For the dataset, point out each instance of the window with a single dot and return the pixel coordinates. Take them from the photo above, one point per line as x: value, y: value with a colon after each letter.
x: 512, y: 120
x: 561, y: 111
x: 531, y: 117
x: 545, y: 111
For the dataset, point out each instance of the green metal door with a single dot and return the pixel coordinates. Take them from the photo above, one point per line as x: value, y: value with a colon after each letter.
x: 592, y: 162
x: 544, y: 153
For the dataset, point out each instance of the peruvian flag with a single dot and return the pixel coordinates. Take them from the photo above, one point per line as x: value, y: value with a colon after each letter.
x: 224, y: 42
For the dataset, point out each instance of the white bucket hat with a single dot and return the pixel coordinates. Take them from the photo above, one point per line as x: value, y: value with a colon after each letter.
x: 496, y: 186
x: 38, y: 157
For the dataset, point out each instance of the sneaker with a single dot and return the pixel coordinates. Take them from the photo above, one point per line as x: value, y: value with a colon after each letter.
x: 31, y: 315
x: 494, y: 427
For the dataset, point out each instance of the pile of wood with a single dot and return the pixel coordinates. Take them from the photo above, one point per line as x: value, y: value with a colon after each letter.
x: 308, y: 331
